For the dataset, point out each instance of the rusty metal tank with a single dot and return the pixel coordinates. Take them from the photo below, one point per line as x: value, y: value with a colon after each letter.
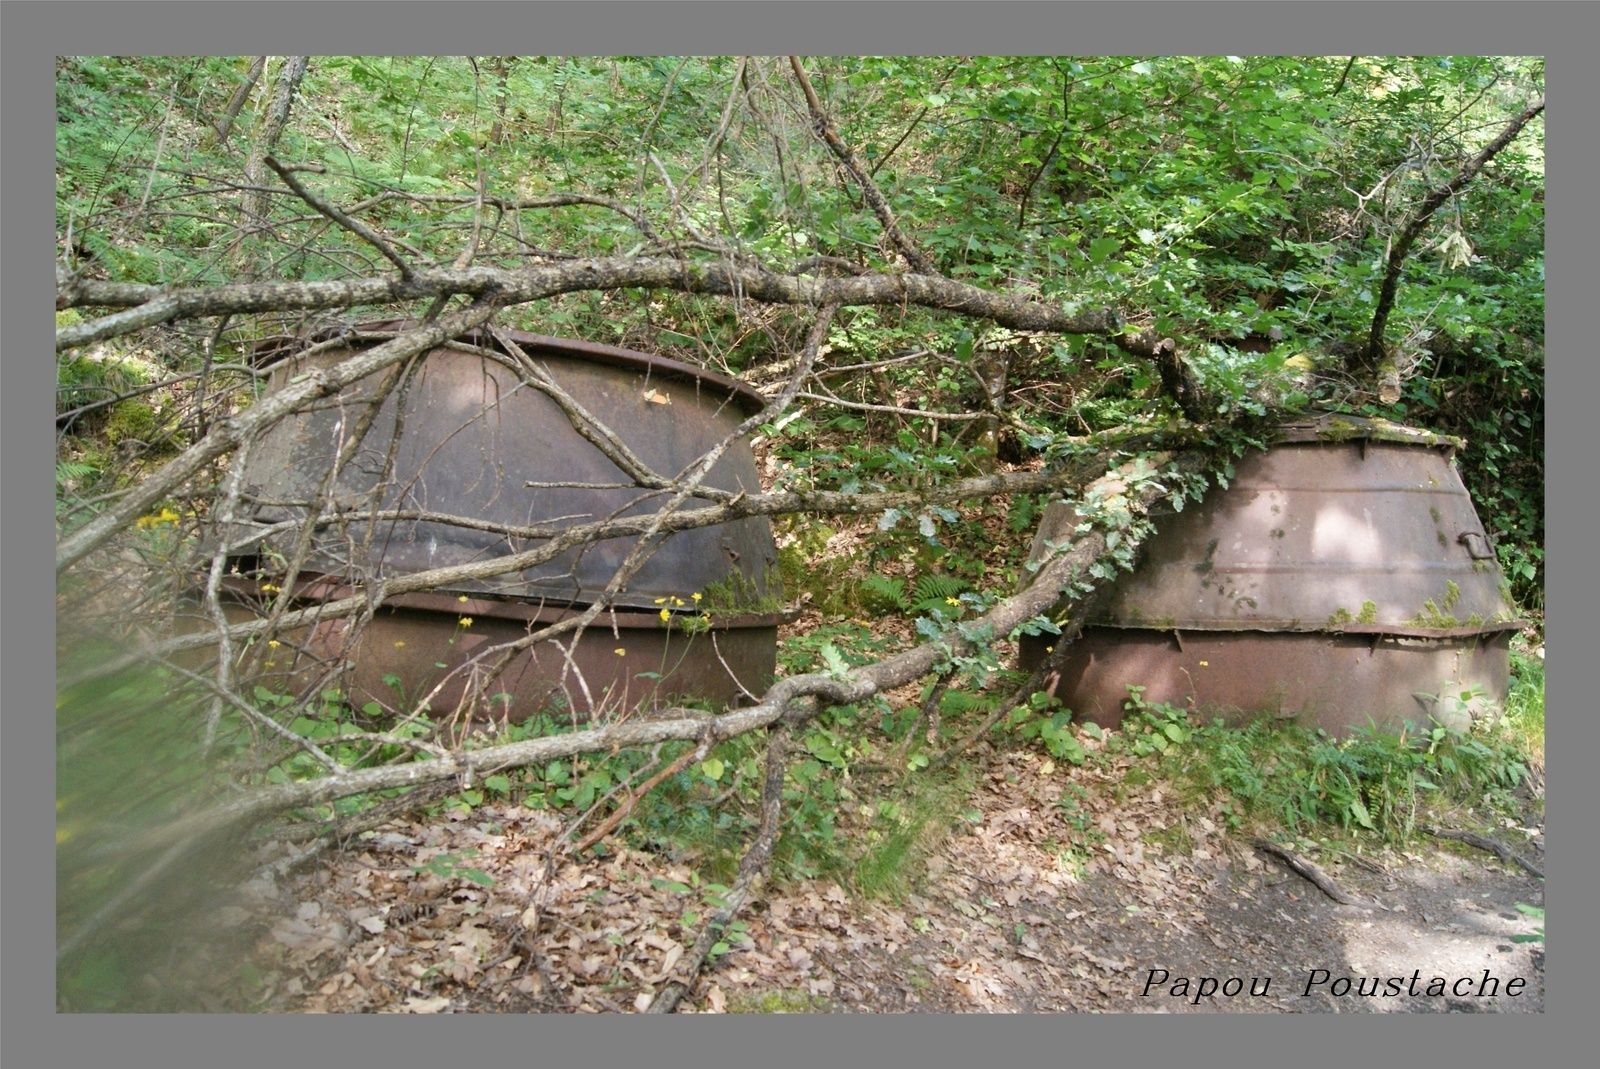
x: 466, y: 435
x: 1342, y: 578
x: 438, y: 650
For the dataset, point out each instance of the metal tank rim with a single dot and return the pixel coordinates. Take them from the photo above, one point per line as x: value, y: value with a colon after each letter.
x: 1332, y: 428
x: 281, y: 347
x: 321, y: 587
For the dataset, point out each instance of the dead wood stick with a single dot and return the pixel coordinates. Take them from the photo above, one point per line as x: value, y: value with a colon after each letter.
x: 1311, y: 871
x: 672, y: 768
x: 1484, y: 842
x: 754, y: 864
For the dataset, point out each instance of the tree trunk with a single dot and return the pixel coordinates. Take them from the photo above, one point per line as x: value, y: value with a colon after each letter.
x: 224, y: 125
x: 266, y: 141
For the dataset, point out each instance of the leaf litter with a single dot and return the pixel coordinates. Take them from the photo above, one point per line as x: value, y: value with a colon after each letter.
x: 1057, y: 892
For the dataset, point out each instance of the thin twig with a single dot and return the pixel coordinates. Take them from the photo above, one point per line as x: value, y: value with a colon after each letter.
x: 869, y: 189
x: 355, y: 226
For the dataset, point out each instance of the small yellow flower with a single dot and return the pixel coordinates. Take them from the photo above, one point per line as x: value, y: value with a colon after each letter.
x: 273, y: 643
x: 658, y: 601
x: 952, y: 601
x: 1205, y: 664
x: 465, y: 621
x: 666, y: 615
x: 462, y: 599
x: 400, y: 644
x: 696, y: 595
x: 166, y: 515
x: 620, y: 652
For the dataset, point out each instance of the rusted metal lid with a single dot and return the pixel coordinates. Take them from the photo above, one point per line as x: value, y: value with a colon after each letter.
x: 271, y: 350
x: 1368, y: 534
x: 467, y: 437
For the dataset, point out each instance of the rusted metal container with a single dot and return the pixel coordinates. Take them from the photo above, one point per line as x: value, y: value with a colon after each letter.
x: 1342, y: 577
x: 478, y: 442
x: 446, y: 652
x: 464, y: 435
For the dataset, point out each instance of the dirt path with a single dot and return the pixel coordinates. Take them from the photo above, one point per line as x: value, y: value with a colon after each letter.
x: 1059, y: 891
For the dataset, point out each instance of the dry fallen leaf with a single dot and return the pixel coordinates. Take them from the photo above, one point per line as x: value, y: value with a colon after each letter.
x: 418, y: 1004
x: 656, y: 397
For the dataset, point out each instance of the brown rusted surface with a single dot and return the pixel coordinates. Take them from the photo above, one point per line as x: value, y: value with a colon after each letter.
x: 1334, y: 681
x: 473, y: 435
x: 1341, y: 572
x: 439, y: 649
x: 465, y: 435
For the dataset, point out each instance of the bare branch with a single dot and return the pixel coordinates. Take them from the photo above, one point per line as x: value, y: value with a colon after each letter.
x: 1372, y: 354
x: 869, y: 189
x: 784, y: 700
x: 227, y: 435
x: 355, y: 226
x: 149, y: 305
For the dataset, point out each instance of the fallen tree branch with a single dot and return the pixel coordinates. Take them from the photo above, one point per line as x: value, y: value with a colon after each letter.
x: 1070, y: 565
x: 1483, y: 842
x: 149, y: 305
x: 1311, y: 871
x: 561, y: 539
x: 753, y: 864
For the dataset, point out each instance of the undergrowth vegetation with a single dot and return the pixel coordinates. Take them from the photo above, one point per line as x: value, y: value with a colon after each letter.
x: 1240, y: 207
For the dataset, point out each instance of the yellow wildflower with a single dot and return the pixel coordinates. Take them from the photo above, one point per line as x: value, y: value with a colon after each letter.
x: 400, y: 644
x: 658, y: 601
x: 1205, y: 664
x: 952, y: 601
x: 166, y: 515
x: 273, y: 643
x: 620, y: 652
x: 462, y: 599
x: 666, y: 615
x: 697, y: 595
x: 465, y: 621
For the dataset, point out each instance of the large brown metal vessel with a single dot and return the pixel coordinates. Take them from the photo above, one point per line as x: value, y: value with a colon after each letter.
x: 1342, y: 577
x: 467, y: 435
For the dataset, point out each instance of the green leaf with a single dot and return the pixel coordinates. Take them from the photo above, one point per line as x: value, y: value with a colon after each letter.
x: 1101, y: 249
x: 713, y: 768
x: 1358, y: 810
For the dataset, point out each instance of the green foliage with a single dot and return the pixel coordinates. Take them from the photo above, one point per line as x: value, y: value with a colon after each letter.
x: 450, y: 867
x: 1368, y: 783
x: 1525, y: 701
x: 1537, y: 913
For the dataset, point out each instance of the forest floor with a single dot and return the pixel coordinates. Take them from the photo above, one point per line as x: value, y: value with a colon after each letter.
x: 1007, y: 912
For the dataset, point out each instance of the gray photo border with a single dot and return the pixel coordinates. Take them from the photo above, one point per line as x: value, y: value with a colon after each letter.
x: 35, y: 32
